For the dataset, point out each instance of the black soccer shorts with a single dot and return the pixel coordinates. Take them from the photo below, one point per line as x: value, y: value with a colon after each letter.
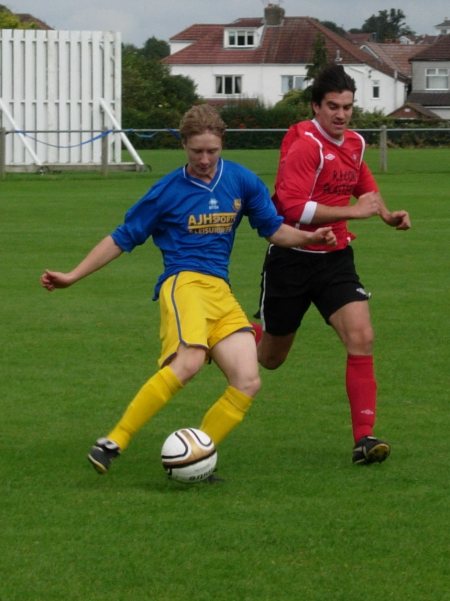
x: 292, y: 280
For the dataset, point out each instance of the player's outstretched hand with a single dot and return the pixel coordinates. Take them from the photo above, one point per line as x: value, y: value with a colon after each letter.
x: 55, y: 279
x: 398, y: 219
x: 323, y: 235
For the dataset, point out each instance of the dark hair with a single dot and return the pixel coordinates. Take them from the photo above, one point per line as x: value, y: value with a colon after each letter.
x: 199, y: 119
x: 332, y: 78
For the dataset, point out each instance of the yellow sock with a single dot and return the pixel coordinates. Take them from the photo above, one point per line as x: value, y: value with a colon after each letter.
x: 153, y: 395
x: 226, y: 413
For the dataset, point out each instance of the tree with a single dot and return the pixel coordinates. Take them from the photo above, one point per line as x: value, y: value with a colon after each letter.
x: 387, y: 25
x: 155, y: 49
x: 151, y: 96
x: 9, y: 20
x: 319, y: 59
x: 179, y: 92
x: 333, y: 27
x: 301, y: 99
x: 298, y: 100
x: 141, y: 80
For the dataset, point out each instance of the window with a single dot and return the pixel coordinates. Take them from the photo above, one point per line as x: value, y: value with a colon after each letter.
x: 375, y: 89
x: 436, y: 79
x: 243, y: 38
x: 292, y: 82
x: 228, y: 84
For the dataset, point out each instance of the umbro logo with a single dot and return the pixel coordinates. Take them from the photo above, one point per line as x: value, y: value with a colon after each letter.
x: 363, y: 292
x: 330, y: 156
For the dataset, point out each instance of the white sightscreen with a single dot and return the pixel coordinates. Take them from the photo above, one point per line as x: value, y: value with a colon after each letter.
x: 55, y: 80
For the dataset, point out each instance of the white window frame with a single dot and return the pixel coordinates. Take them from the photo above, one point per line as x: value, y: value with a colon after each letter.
x: 436, y: 78
x: 231, y: 82
x: 376, y: 89
x: 240, y: 38
x: 292, y: 82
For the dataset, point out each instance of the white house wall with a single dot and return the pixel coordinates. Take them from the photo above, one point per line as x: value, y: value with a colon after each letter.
x: 264, y: 83
x: 54, y: 80
x: 392, y: 91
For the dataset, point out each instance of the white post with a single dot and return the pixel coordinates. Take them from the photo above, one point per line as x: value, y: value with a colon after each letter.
x: 22, y: 137
x: 126, y: 141
x: 383, y: 149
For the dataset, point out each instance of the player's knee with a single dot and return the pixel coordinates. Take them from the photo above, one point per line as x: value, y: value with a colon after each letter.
x: 255, y: 386
x: 249, y: 385
x: 188, y: 362
x: 271, y: 360
x: 273, y: 350
x: 360, y: 342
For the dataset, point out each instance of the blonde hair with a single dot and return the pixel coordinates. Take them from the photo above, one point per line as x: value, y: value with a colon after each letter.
x: 199, y: 119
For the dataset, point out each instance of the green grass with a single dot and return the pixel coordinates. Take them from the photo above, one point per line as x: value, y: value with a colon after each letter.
x: 294, y: 519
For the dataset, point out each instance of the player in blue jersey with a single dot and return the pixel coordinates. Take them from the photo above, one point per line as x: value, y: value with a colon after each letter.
x: 192, y: 215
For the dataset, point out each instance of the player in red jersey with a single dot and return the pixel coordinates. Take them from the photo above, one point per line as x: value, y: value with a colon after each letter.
x: 321, y: 168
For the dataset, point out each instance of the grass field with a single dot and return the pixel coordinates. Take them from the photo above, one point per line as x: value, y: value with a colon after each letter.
x: 294, y: 520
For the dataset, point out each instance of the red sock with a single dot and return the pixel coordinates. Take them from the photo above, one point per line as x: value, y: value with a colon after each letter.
x: 362, y: 394
x: 258, y: 331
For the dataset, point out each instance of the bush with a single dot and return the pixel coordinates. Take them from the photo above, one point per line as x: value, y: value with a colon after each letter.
x: 249, y: 115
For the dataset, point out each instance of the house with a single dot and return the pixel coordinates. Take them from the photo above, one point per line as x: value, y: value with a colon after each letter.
x: 360, y: 38
x: 262, y: 58
x: 411, y: 111
x: 430, y: 81
x: 395, y: 55
x: 444, y: 27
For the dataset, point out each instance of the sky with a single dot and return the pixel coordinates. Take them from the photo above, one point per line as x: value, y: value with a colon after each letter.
x: 139, y: 20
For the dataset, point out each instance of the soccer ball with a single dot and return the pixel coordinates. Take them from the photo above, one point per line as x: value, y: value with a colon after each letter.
x: 188, y: 455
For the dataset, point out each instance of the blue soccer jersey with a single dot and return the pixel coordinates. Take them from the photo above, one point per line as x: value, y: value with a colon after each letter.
x: 194, y: 223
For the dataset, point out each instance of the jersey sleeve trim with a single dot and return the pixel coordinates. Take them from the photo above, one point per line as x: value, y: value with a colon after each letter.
x: 308, y: 212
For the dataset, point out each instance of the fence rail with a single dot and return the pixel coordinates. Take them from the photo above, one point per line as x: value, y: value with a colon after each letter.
x: 101, y: 136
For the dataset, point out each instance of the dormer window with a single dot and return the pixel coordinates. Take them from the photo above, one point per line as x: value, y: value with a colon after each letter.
x: 240, y: 38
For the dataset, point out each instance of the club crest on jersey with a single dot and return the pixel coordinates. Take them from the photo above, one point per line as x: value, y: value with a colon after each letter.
x: 237, y: 204
x: 213, y: 204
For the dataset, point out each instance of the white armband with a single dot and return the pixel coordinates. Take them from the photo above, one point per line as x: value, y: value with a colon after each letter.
x: 308, y: 212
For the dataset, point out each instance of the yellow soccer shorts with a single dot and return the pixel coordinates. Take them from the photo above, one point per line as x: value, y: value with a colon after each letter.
x: 197, y: 310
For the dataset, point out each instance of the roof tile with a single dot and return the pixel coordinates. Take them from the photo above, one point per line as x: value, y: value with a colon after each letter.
x: 292, y: 42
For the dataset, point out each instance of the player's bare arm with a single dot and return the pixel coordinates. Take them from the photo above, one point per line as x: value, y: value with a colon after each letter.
x: 291, y: 237
x: 104, y: 252
x: 367, y: 205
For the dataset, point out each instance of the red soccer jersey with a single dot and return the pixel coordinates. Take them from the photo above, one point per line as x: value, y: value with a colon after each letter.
x: 314, y: 167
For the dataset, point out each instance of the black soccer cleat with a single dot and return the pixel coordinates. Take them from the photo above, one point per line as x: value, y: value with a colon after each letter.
x: 102, y: 454
x: 370, y: 450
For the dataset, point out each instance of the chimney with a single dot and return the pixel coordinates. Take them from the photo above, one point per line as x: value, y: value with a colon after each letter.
x: 273, y: 14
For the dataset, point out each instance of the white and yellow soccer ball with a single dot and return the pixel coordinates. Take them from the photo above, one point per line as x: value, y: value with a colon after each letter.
x: 188, y: 455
